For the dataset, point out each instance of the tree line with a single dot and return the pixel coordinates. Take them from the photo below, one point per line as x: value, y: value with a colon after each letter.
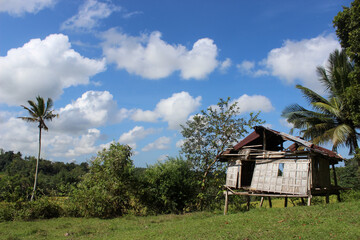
x: 17, y: 172
x: 110, y: 186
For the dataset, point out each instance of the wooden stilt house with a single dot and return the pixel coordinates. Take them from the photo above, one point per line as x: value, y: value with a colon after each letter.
x: 259, y: 165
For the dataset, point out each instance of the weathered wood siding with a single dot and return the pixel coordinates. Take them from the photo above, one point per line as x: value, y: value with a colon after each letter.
x: 293, y: 180
x: 232, y: 176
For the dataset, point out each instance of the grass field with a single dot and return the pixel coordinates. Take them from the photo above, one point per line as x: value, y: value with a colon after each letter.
x: 332, y: 221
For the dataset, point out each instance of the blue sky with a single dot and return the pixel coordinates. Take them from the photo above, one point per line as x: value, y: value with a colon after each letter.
x: 133, y: 71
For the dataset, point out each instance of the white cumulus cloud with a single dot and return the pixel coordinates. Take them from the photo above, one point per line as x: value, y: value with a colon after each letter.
x: 297, y: 60
x: 89, y: 15
x: 294, y: 61
x: 67, y: 146
x: 71, y: 135
x: 45, y: 68
x: 174, y: 110
x: 159, y: 144
x: 18, y: 135
x: 140, y: 115
x: 136, y: 134
x: 248, y: 68
x: 224, y: 66
x: 254, y: 103
x: 85, y: 144
x: 150, y: 57
x: 92, y: 109
x: 19, y: 7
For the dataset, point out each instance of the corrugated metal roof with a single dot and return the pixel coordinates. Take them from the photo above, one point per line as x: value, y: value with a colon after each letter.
x: 274, y: 139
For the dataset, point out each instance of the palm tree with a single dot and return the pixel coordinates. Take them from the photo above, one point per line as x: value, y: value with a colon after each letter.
x: 328, y: 121
x: 337, y: 76
x: 39, y: 112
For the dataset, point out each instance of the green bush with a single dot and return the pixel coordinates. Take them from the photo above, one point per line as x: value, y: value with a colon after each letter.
x: 7, y: 211
x: 169, y: 187
x: 349, y: 175
x: 15, y: 188
x: 106, y: 190
x: 42, y: 208
x: 350, y: 195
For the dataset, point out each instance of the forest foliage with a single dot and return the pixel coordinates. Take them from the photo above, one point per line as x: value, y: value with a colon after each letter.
x: 17, y: 173
x: 110, y: 186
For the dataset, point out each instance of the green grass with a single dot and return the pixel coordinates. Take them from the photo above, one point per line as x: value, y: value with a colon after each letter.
x: 332, y: 221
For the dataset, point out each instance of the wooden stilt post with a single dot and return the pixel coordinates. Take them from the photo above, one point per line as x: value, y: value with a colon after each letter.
x: 327, y: 198
x: 261, y: 201
x: 335, y: 179
x: 226, y: 201
x: 248, y: 203
x: 286, y: 202
x: 335, y: 182
x: 302, y: 201
x: 309, y: 200
x: 338, y: 196
x: 270, y: 204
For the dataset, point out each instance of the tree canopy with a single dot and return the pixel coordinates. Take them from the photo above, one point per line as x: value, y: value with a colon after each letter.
x: 347, y: 24
x: 209, y: 133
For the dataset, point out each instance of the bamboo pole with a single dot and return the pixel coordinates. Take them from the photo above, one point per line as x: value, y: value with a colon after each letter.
x: 226, y: 202
x: 261, y: 201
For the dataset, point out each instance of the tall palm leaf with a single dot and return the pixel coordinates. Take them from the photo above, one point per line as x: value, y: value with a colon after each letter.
x: 328, y: 121
x: 336, y: 76
x: 39, y: 112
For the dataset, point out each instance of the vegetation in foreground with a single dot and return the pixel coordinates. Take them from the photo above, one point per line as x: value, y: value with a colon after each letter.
x: 332, y: 221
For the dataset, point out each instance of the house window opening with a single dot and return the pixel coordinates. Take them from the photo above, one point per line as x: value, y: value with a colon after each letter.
x: 281, y: 169
x: 247, y: 172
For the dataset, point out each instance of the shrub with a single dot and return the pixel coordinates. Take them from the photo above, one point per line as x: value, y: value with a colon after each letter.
x: 350, y: 195
x: 106, y: 190
x: 14, y: 188
x: 42, y: 208
x: 349, y: 175
x: 7, y: 211
x: 169, y: 187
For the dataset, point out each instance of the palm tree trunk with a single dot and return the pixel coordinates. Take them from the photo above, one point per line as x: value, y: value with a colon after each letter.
x: 37, y: 167
x: 356, y: 147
